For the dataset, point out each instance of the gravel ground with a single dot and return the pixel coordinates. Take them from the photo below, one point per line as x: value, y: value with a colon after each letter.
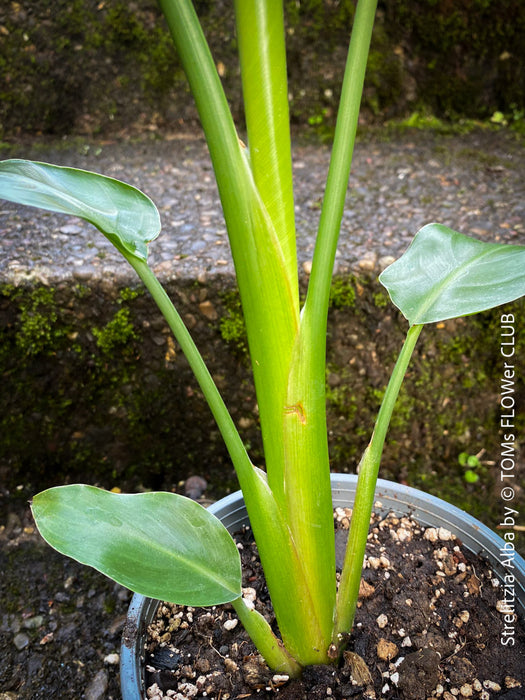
x: 472, y: 183
x: 49, y: 607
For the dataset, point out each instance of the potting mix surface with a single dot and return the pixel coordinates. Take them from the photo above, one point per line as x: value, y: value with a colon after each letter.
x: 432, y: 622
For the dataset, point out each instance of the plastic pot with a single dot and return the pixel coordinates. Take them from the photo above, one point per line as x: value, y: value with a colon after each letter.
x: 428, y: 510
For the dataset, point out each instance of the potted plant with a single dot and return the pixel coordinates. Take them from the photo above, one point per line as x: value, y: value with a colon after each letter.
x: 429, y: 512
x: 192, y: 559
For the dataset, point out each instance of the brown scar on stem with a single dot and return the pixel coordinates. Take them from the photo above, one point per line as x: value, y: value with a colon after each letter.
x: 298, y: 410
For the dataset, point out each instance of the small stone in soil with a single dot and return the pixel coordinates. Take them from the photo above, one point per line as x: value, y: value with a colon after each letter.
x: 359, y: 671
x: 98, y: 686
x: 112, y: 659
x: 166, y: 659
x: 20, y: 641
x: 386, y: 650
x: 382, y: 621
x: 230, y: 624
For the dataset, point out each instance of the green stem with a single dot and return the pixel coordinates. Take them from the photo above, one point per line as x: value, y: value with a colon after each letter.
x: 339, y: 171
x: 307, y: 470
x: 261, y: 634
x: 232, y: 439
x: 271, y: 311
x: 207, y: 91
x: 286, y: 579
x: 364, y: 498
x: 306, y: 386
x: 262, y: 53
x: 266, y: 274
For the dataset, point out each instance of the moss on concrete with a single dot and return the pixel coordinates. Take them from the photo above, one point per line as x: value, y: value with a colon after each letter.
x: 89, y: 67
x: 342, y: 293
x: 232, y: 326
x: 94, y: 389
x: 448, y: 404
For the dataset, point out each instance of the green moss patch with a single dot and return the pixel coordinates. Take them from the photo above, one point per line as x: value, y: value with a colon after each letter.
x: 94, y: 389
x: 89, y: 67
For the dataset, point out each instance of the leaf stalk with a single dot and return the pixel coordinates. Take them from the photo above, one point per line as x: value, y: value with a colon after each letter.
x: 364, y: 497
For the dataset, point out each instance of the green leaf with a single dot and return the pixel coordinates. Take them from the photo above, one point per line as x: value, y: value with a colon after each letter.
x: 124, y: 214
x: 445, y: 274
x: 462, y: 458
x: 161, y: 545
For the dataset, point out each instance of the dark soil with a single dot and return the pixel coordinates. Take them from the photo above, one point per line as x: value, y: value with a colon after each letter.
x: 60, y: 622
x: 429, y: 624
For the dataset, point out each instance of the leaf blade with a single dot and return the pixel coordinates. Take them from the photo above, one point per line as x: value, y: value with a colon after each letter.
x: 161, y: 545
x: 124, y: 214
x: 445, y: 274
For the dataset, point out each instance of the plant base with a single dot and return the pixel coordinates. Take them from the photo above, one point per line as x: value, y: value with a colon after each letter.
x: 427, y: 610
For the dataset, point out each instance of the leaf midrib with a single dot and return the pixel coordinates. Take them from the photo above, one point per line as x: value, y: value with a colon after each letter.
x: 437, y: 289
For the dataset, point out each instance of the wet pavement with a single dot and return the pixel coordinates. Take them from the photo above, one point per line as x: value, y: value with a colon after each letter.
x: 473, y: 183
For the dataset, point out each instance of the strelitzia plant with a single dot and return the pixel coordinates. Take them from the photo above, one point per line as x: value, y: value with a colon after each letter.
x: 164, y: 545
